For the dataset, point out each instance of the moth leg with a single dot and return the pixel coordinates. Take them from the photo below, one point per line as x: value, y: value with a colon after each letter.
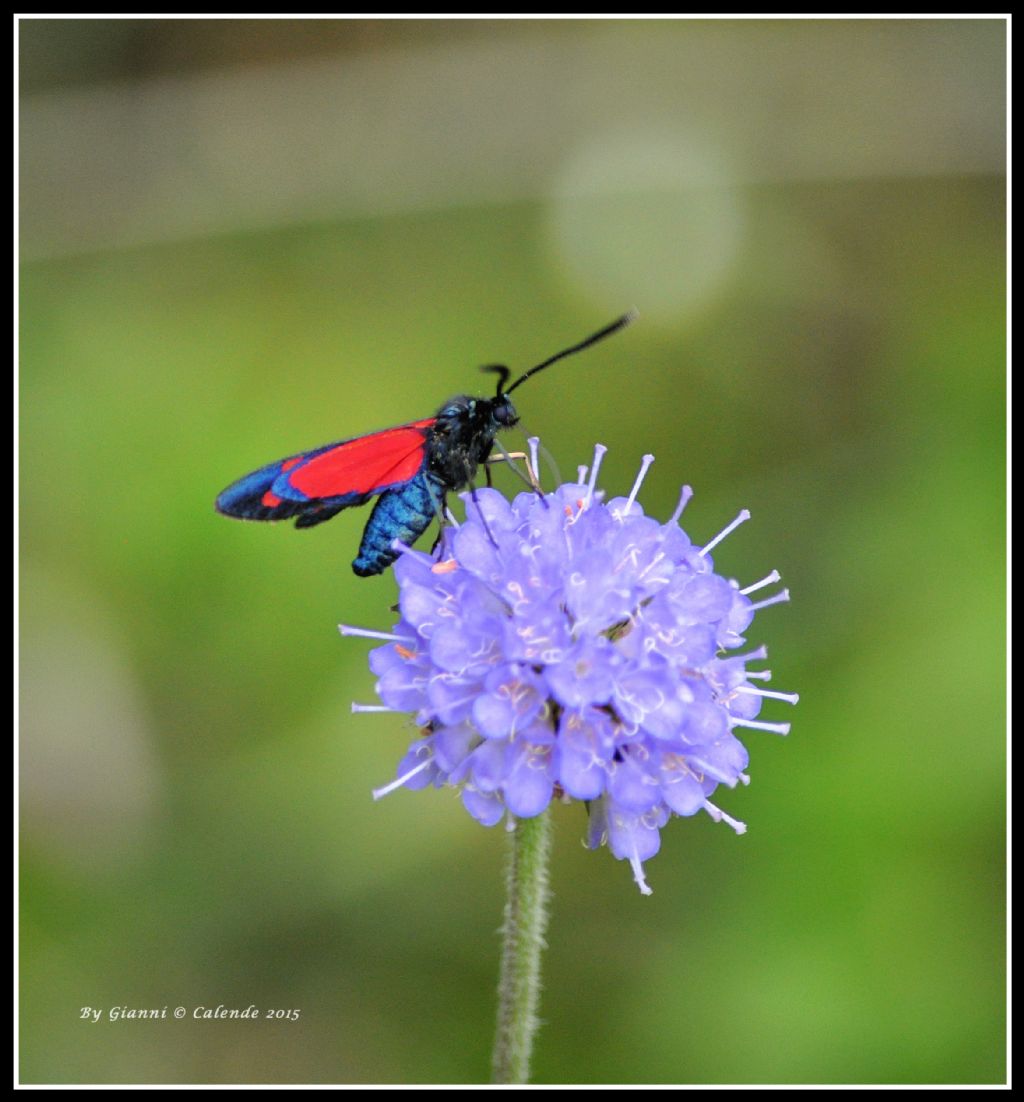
x: 530, y: 478
x: 441, y: 509
x: 480, y: 514
x: 506, y: 456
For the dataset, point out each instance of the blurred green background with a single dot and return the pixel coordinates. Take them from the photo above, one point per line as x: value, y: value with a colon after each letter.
x: 243, y: 238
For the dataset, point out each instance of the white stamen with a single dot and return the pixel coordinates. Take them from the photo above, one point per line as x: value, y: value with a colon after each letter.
x: 774, y: 576
x: 789, y: 698
x: 595, y: 466
x: 358, y: 708
x: 405, y: 549
x: 638, y: 874
x: 651, y: 565
x: 744, y: 778
x: 684, y: 496
x: 534, y: 443
x: 752, y: 656
x: 761, y: 725
x: 380, y: 793
x: 581, y: 473
x: 744, y: 514
x: 779, y: 598
x: 759, y: 675
x: 720, y: 816
x: 645, y: 463
x: 450, y: 517
x: 348, y: 629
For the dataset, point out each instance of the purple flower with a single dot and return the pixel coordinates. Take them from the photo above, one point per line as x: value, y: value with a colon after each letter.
x: 563, y: 647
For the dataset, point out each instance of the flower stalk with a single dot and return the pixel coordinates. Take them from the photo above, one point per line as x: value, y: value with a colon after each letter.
x: 526, y: 916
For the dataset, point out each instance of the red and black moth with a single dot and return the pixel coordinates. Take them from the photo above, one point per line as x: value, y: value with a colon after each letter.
x: 410, y: 469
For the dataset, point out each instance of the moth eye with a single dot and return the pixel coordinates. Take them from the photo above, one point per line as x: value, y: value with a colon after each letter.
x: 505, y: 414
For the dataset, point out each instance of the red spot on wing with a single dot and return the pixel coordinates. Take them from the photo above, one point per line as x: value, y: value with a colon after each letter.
x: 270, y: 499
x: 365, y: 464
x: 289, y: 463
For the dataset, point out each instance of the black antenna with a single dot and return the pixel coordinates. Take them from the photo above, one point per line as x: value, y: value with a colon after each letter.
x: 498, y: 369
x: 600, y: 335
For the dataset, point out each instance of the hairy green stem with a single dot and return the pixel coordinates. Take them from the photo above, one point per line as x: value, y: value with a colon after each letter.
x: 526, y: 915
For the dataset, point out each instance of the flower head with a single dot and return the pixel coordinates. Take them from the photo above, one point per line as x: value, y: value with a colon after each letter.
x: 565, y: 646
